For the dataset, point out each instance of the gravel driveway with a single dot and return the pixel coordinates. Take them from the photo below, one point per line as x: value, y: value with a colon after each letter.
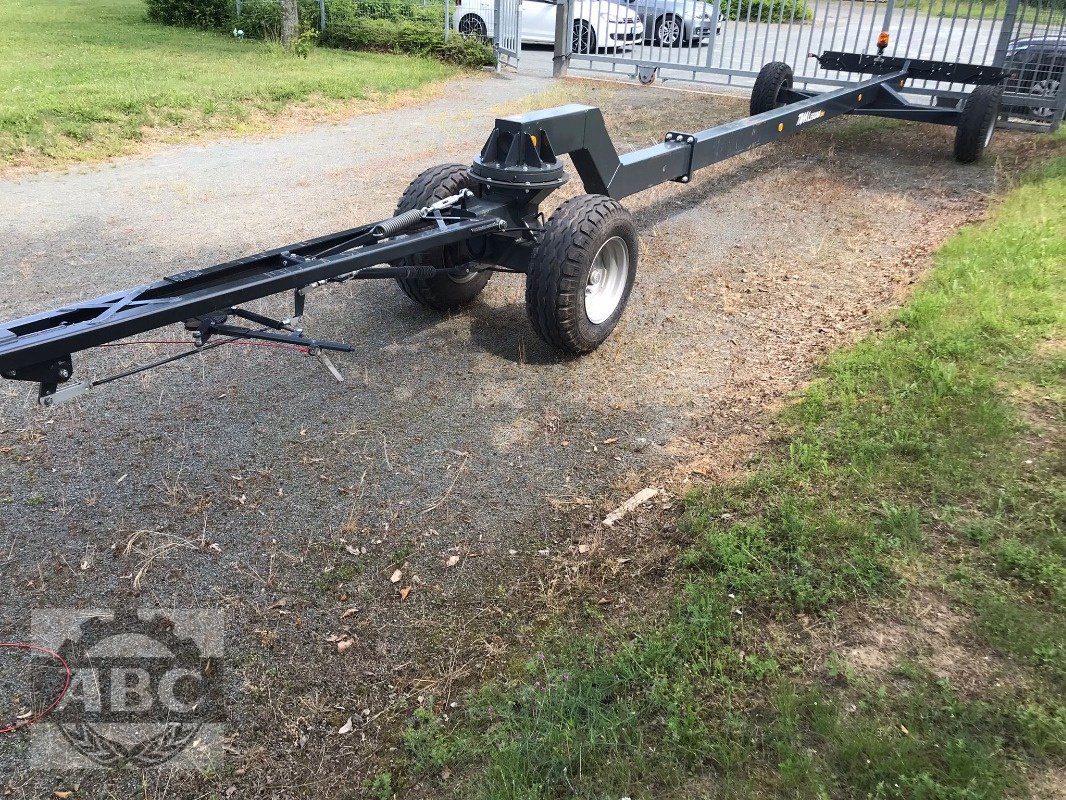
x: 294, y: 498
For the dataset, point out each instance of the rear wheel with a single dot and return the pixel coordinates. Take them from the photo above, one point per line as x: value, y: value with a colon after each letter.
x: 473, y: 26
x: 582, y: 272
x: 444, y: 291
x: 977, y: 122
x: 1049, y: 88
x: 669, y: 31
x: 765, y: 95
x: 584, y: 38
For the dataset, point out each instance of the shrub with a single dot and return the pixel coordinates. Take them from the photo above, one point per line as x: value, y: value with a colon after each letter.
x: 767, y: 10
x: 386, y: 36
x: 213, y: 14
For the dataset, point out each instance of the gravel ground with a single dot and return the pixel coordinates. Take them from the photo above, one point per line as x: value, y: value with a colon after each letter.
x: 294, y: 499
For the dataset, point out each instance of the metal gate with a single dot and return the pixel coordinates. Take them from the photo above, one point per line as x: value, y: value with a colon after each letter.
x: 507, y: 32
x: 726, y: 42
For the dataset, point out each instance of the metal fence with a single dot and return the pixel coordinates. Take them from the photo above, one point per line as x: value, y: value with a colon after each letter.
x: 726, y: 42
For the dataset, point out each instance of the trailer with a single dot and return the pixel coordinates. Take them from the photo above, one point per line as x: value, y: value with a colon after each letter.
x: 455, y: 225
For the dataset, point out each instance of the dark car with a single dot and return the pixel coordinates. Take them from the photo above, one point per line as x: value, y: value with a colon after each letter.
x: 1036, y: 68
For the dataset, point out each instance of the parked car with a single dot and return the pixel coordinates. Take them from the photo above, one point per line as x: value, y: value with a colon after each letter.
x: 597, y: 24
x: 676, y: 23
x: 1036, y: 68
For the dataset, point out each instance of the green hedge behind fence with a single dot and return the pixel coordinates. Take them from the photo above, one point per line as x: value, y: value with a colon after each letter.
x: 384, y: 26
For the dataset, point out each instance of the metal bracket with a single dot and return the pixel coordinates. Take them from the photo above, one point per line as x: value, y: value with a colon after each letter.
x: 690, y: 141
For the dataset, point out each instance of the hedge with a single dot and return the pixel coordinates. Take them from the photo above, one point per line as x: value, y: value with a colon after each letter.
x: 385, y: 36
x: 383, y: 26
x: 767, y: 10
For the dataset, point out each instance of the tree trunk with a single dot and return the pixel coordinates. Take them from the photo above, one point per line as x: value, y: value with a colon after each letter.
x: 289, y: 22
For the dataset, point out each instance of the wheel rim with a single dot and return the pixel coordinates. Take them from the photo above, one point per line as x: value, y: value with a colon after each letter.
x: 463, y: 277
x: 471, y: 26
x: 582, y: 39
x: 669, y: 31
x: 606, y: 282
x: 1049, y: 87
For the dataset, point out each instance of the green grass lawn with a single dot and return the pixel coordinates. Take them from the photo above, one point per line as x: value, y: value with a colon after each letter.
x: 83, y: 79
x: 926, y: 461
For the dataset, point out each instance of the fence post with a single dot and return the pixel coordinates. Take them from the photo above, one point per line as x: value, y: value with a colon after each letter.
x: 1006, y: 33
x: 322, y: 16
x: 238, y: 9
x: 561, y: 56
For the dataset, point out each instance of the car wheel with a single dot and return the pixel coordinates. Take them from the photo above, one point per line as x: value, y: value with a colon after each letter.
x: 669, y: 31
x: 1049, y: 88
x: 584, y: 39
x: 473, y: 26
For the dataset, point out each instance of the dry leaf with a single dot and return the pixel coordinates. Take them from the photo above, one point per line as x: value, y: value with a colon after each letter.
x: 452, y: 561
x: 63, y: 794
x: 346, y: 727
x: 583, y: 548
x: 348, y: 612
x: 344, y: 644
x: 612, y: 440
x: 404, y: 592
x: 396, y: 576
x: 904, y: 731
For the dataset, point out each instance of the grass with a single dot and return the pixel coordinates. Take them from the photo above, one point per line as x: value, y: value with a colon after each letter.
x: 85, y: 80
x: 925, y: 459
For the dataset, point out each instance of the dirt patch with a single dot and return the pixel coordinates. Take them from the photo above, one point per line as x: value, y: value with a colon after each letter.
x: 461, y: 451
x: 922, y: 629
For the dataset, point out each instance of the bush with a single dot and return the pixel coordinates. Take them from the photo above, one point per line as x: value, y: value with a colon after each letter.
x: 386, y: 36
x: 212, y: 14
x: 767, y: 10
x: 384, y: 26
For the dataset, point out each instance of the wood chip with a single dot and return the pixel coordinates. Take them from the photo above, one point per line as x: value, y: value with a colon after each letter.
x: 397, y: 576
x: 346, y: 728
x: 452, y: 561
x: 641, y: 497
x: 406, y: 590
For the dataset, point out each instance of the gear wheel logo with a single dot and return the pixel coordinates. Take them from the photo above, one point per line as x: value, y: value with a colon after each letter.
x: 146, y: 687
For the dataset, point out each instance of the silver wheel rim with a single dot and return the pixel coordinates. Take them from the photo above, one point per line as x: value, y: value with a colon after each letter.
x: 464, y: 277
x: 606, y: 282
x: 1049, y: 87
x: 669, y: 32
x: 470, y: 26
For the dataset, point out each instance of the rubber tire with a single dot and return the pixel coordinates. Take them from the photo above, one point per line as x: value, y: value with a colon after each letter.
x: 978, y: 118
x: 589, y: 46
x: 441, y: 292
x: 679, y: 42
x: 773, y: 77
x: 559, y: 269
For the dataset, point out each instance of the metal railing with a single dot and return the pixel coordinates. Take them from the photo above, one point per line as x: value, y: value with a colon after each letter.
x: 726, y: 42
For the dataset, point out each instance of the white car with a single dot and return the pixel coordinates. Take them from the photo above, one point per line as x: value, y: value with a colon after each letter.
x: 597, y: 24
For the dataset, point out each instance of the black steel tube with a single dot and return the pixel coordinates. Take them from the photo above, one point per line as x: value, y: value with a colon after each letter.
x: 55, y: 334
